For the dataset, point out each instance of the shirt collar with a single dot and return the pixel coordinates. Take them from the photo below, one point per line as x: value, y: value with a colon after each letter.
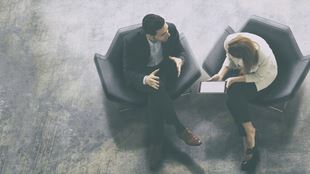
x: 152, y: 42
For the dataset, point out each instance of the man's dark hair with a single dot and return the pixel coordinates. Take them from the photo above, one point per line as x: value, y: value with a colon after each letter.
x: 151, y: 23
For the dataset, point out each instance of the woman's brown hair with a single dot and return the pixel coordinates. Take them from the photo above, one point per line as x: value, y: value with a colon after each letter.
x: 243, y: 48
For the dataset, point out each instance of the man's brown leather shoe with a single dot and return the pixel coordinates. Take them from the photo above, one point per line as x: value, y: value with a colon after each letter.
x: 189, y: 138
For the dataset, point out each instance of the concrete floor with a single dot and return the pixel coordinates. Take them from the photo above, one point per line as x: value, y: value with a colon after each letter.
x: 55, y: 118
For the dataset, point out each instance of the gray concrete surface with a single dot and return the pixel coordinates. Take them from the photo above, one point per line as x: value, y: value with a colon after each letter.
x: 55, y: 119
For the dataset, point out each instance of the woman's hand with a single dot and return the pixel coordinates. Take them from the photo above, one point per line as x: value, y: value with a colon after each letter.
x: 230, y: 81
x: 216, y: 77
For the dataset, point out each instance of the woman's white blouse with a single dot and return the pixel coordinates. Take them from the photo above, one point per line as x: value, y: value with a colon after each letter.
x: 266, y: 70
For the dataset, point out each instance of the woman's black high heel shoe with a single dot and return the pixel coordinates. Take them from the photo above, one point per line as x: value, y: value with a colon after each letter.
x: 250, y: 164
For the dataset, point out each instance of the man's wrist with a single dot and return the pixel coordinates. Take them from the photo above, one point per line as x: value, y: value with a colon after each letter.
x: 175, y: 58
x: 144, y: 80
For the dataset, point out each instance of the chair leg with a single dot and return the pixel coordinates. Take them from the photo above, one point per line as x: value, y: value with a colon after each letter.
x: 124, y: 108
x: 279, y: 109
x: 187, y: 92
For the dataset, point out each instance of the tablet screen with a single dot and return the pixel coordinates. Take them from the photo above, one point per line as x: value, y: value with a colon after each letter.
x: 212, y: 87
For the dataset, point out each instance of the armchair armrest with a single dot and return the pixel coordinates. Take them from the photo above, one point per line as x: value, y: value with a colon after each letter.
x: 190, y: 70
x: 113, y: 82
x: 214, y: 60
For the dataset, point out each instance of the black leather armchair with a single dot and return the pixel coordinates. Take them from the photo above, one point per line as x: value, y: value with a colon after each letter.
x: 109, y: 68
x: 292, y: 65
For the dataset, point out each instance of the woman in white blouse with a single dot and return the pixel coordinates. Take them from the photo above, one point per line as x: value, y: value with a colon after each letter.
x: 257, y: 68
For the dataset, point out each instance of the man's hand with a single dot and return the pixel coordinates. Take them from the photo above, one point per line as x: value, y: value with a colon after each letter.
x: 216, y: 77
x: 152, y: 80
x: 178, y: 62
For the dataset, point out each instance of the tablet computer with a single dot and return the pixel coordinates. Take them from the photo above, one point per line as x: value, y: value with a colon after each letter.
x: 218, y: 87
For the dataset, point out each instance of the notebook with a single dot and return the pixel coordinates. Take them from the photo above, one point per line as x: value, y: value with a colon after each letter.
x: 212, y: 87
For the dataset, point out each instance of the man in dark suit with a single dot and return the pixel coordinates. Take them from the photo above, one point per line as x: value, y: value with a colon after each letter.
x: 152, y: 61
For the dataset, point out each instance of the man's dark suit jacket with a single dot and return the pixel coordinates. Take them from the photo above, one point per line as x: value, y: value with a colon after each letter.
x: 137, y: 52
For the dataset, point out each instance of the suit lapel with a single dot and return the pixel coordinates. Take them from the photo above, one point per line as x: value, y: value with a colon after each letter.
x: 144, y: 46
x: 165, y: 51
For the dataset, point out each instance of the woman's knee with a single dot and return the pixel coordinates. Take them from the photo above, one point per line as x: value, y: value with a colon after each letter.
x: 234, y: 90
x: 233, y: 95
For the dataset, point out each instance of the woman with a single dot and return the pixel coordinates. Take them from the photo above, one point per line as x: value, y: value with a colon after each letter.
x: 255, y: 63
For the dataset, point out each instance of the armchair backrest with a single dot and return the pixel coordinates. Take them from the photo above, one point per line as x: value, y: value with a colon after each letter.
x: 115, y: 51
x: 278, y: 36
x: 291, y: 69
x: 214, y: 60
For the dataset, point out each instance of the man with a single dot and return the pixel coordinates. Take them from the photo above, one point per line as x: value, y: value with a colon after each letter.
x: 152, y: 61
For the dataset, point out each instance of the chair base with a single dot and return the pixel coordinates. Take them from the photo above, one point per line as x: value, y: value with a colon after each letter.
x: 124, y: 108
